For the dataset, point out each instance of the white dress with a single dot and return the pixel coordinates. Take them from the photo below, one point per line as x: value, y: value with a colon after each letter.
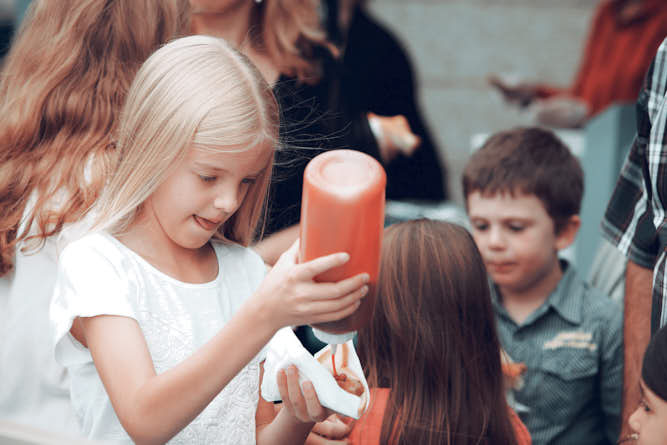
x: 97, y: 274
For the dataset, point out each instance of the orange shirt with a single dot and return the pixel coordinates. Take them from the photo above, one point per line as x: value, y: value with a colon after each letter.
x: 367, y: 429
x: 617, y: 55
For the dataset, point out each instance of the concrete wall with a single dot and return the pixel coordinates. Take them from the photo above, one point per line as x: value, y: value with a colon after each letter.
x: 455, y: 44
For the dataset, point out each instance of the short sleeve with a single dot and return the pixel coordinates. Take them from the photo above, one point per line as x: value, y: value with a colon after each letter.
x: 257, y: 270
x: 243, y: 271
x: 90, y: 281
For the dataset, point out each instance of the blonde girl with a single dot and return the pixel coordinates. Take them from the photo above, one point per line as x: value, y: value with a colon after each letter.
x: 160, y: 312
x: 61, y: 90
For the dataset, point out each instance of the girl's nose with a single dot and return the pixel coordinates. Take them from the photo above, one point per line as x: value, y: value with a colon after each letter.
x: 227, y: 199
x: 634, y: 420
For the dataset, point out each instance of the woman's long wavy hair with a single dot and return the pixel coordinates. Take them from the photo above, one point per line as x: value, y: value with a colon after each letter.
x: 289, y: 31
x: 62, y: 86
x: 433, y: 340
x: 194, y: 92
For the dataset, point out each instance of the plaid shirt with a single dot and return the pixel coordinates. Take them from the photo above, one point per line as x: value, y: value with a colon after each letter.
x: 635, y: 218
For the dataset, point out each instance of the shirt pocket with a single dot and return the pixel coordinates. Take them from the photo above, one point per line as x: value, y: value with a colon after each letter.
x: 569, y: 382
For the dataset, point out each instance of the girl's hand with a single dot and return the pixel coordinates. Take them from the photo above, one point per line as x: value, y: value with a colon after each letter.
x: 331, y: 431
x: 290, y: 295
x: 300, y: 401
x: 393, y: 135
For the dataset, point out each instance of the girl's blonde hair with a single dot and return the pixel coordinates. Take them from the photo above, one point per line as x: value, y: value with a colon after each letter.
x: 193, y: 92
x: 62, y: 86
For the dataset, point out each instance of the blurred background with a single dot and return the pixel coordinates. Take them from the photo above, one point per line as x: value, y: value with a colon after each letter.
x: 455, y: 44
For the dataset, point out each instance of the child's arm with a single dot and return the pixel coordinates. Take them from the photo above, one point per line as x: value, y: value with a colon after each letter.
x: 153, y: 408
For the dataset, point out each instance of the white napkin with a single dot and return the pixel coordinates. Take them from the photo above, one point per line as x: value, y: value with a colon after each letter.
x: 285, y: 349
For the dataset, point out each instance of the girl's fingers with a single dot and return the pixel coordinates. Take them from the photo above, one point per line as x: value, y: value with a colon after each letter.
x: 315, y: 411
x: 347, y: 286
x: 335, y: 315
x: 333, y: 427
x: 340, y: 303
x: 294, y: 393
x: 281, y: 379
x: 309, y: 270
x: 302, y: 402
x: 326, y: 291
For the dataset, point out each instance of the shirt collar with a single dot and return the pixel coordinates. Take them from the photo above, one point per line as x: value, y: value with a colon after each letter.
x: 568, y: 297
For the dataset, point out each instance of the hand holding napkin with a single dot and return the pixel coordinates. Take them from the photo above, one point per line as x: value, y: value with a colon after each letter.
x: 285, y: 349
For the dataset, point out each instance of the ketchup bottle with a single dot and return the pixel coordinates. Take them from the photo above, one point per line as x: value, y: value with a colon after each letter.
x: 342, y: 210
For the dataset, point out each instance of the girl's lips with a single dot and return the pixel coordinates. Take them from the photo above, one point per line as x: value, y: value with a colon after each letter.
x: 206, y: 224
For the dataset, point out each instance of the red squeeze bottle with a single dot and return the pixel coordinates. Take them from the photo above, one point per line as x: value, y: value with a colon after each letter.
x: 342, y: 210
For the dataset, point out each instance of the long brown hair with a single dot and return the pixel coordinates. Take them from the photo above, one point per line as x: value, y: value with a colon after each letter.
x: 62, y: 87
x: 433, y: 340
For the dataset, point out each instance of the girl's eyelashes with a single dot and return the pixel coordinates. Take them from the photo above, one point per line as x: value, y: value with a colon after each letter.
x: 212, y: 178
x: 644, y: 405
x: 208, y: 178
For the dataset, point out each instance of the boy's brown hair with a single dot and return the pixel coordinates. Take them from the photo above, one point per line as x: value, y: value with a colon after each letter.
x: 531, y: 161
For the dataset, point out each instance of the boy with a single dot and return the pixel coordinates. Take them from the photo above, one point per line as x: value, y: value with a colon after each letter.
x: 523, y: 192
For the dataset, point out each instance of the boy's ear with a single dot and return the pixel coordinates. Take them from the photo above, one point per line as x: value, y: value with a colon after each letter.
x: 568, y: 232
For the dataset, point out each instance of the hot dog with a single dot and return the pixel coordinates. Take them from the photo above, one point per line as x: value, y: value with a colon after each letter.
x: 346, y: 378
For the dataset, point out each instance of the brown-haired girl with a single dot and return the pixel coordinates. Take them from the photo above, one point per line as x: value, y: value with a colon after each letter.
x: 431, y: 351
x: 61, y: 90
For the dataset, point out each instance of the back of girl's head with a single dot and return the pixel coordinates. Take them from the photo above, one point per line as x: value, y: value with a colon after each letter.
x: 655, y: 364
x: 432, y: 339
x: 62, y: 87
x: 193, y: 92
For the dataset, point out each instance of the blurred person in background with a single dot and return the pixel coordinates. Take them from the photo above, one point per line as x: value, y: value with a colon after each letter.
x: 378, y: 79
x: 61, y: 89
x: 624, y: 37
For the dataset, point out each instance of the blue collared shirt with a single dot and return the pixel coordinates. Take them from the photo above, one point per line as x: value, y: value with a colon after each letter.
x: 573, y: 350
